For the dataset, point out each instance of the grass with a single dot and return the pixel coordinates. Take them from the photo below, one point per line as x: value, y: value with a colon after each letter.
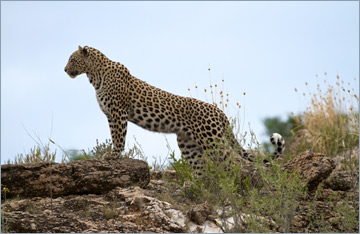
x: 235, y: 195
x: 332, y: 118
x: 109, y: 212
x: 41, y: 152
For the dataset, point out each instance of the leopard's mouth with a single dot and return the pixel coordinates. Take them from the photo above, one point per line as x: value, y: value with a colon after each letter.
x: 73, y: 74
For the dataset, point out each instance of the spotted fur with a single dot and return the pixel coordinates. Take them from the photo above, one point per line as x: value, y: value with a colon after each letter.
x: 199, y: 126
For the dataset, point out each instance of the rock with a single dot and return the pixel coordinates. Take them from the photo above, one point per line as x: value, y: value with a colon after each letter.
x: 341, y: 180
x: 200, y: 213
x: 312, y: 168
x: 129, y: 211
x: 77, y: 177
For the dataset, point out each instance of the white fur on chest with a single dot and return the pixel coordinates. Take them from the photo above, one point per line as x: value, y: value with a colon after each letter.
x: 102, y: 104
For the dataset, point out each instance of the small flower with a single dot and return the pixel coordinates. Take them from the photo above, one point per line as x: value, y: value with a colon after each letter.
x: 215, y: 85
x: 244, y: 93
x: 348, y: 91
x: 306, y: 83
x: 337, y: 76
x: 189, y: 89
x: 205, y: 90
x: 209, y: 69
x: 325, y: 73
x: 295, y: 89
x: 227, y: 100
x: 222, y: 80
x: 195, y: 86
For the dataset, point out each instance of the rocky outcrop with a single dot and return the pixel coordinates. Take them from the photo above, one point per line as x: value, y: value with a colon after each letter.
x: 77, y: 177
x: 313, y: 168
x: 200, y: 213
x: 118, y: 196
x: 341, y: 180
x: 122, y: 210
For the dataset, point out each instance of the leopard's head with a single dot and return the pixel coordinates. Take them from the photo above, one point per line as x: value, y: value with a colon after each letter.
x: 78, y: 62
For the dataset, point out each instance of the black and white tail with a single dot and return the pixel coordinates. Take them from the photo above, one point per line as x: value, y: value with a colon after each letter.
x: 278, y: 140
x: 275, y: 139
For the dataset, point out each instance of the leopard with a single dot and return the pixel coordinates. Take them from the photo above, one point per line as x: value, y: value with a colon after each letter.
x: 199, y: 126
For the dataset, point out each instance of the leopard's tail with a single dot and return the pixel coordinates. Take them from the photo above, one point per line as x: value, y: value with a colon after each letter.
x: 275, y: 139
x: 278, y: 140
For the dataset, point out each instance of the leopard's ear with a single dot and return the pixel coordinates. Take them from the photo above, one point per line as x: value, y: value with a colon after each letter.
x: 84, y: 51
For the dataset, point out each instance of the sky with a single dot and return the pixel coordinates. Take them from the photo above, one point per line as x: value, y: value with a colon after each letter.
x: 265, y: 49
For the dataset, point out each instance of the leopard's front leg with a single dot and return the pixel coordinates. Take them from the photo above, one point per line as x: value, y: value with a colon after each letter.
x: 118, y: 128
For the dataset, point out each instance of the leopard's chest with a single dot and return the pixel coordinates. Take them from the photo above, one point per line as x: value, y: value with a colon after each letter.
x: 104, y: 103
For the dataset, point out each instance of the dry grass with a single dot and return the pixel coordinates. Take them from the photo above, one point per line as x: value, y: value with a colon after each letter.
x: 332, y: 118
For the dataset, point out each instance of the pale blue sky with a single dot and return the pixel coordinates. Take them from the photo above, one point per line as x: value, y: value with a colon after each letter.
x: 265, y: 49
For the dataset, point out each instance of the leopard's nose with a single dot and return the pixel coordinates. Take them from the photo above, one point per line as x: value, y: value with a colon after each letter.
x: 65, y: 69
